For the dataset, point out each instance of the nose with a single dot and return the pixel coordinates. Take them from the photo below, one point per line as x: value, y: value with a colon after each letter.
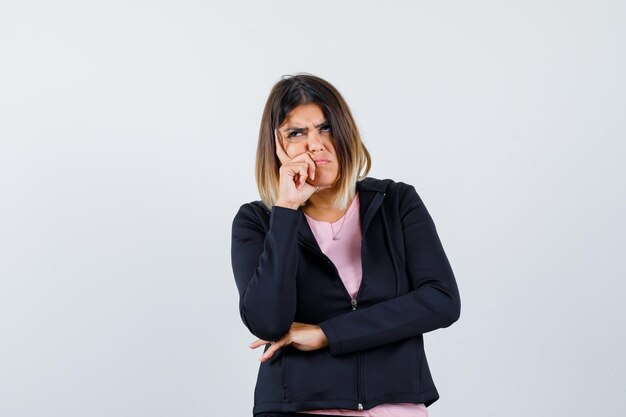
x: 315, y: 142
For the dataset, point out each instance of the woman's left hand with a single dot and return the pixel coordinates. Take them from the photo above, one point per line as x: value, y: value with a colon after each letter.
x: 302, y: 336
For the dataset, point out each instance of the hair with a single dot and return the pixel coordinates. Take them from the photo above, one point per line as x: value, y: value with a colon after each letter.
x: 288, y: 93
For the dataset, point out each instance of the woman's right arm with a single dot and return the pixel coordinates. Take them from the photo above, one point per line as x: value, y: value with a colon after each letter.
x: 265, y: 265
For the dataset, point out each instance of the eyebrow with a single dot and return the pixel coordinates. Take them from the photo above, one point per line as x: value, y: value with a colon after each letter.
x: 301, y: 129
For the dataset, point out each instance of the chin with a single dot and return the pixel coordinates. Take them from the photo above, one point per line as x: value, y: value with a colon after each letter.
x: 323, y: 182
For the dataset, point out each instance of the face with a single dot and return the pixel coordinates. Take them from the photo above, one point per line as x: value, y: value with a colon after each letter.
x: 306, y: 130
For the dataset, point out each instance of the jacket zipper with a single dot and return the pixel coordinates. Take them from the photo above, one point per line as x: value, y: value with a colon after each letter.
x: 353, y: 301
x: 354, y: 304
x: 359, y: 406
x: 329, y: 262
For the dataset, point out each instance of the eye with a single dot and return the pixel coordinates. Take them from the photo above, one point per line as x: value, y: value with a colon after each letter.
x: 326, y: 128
x: 293, y: 134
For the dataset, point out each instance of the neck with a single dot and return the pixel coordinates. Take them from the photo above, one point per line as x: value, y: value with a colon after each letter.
x: 322, y: 200
x: 320, y: 206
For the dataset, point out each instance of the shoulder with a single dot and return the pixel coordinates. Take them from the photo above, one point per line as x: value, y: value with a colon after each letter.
x: 256, y: 206
x: 393, y: 190
x: 252, y: 215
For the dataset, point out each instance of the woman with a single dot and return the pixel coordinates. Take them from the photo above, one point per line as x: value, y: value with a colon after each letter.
x: 338, y: 274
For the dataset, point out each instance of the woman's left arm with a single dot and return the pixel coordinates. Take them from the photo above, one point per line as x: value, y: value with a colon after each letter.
x: 434, y: 303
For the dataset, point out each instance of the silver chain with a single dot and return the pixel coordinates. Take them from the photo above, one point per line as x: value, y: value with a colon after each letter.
x: 336, y: 235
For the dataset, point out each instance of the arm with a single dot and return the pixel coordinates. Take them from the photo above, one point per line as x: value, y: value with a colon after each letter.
x: 433, y: 303
x: 265, y: 264
x: 265, y: 268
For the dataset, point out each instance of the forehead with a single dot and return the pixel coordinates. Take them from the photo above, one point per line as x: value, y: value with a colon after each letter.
x: 304, y: 115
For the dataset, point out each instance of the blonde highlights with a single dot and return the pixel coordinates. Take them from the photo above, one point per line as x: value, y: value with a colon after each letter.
x: 288, y: 93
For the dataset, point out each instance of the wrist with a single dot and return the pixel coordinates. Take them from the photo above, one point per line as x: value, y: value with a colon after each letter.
x: 285, y: 204
x: 324, y: 340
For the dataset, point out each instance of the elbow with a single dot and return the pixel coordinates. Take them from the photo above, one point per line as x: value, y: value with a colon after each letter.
x: 265, y: 328
x: 269, y: 333
x: 456, y: 313
x: 452, y: 312
x: 444, y: 304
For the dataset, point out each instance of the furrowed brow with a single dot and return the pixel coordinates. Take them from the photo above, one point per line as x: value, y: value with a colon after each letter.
x: 295, y: 129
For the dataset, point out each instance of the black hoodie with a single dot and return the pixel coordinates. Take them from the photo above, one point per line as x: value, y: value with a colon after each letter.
x: 375, y: 351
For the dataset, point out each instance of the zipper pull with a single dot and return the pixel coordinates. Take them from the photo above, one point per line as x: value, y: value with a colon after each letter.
x: 360, y: 406
x: 353, y: 302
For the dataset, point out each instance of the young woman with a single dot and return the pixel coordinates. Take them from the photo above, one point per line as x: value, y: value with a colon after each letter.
x: 339, y: 275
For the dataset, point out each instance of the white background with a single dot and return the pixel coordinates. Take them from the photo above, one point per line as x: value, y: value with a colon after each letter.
x: 128, y: 132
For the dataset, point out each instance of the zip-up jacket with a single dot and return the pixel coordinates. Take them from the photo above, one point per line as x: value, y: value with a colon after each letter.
x: 375, y: 351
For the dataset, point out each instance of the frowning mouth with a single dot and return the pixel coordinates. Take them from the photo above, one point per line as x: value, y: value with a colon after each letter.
x: 319, y: 162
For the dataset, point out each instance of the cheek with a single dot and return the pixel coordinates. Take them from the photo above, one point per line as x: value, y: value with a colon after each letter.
x: 330, y: 146
x: 293, y: 149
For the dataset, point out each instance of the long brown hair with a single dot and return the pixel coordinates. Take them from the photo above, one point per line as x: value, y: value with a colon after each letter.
x: 288, y: 93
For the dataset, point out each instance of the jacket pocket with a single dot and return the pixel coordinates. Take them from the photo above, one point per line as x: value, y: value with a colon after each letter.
x: 396, y: 368
x: 271, y: 373
x: 317, y: 375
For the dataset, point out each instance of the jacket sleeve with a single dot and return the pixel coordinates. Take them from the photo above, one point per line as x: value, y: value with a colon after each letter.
x: 433, y: 303
x: 264, y: 266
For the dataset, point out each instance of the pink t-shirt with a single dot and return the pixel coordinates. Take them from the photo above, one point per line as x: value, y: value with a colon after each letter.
x: 345, y: 253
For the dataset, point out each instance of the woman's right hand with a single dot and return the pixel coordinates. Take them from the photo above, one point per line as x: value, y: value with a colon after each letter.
x: 293, y: 189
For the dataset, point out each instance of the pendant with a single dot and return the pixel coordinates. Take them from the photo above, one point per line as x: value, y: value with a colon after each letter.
x: 335, y: 238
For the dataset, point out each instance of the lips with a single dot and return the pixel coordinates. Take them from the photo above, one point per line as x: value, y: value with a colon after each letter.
x: 319, y: 162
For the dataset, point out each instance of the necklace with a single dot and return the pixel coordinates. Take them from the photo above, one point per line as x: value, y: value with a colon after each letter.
x: 336, y: 235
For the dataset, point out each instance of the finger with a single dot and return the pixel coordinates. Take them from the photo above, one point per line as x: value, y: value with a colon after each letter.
x: 305, y: 157
x: 257, y: 343
x: 280, y: 151
x: 270, y: 351
x: 294, y: 168
x: 298, y: 171
x: 303, y: 173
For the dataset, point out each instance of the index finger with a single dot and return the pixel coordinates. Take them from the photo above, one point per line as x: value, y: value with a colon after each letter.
x: 280, y: 152
x: 270, y: 351
x: 257, y: 343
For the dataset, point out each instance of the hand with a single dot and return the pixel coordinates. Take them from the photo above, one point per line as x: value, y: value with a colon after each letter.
x: 301, y: 335
x: 293, y: 189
